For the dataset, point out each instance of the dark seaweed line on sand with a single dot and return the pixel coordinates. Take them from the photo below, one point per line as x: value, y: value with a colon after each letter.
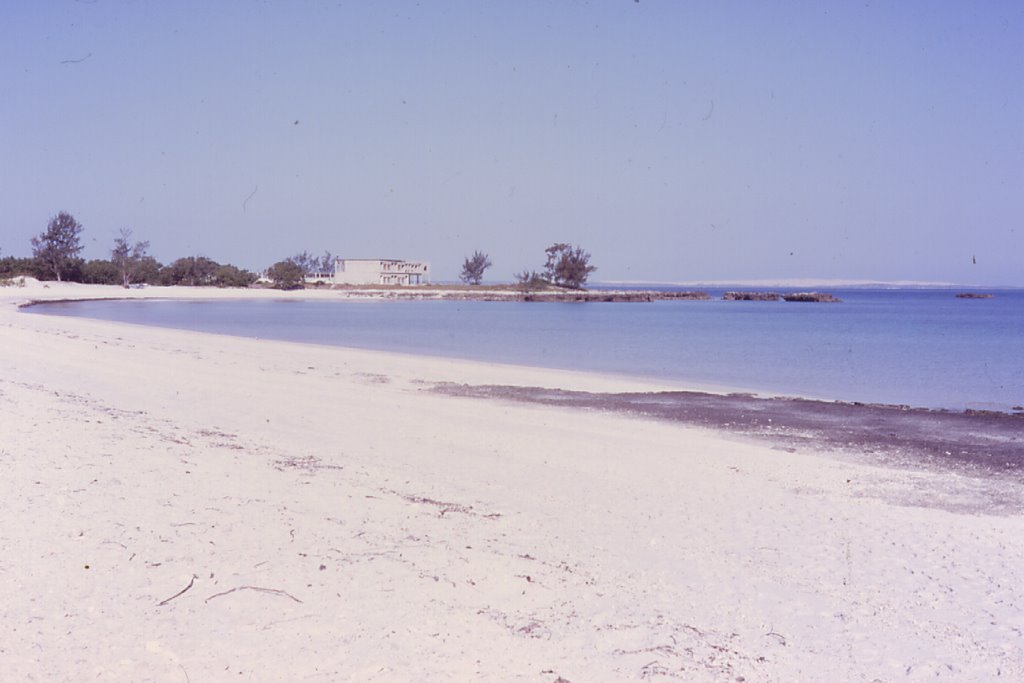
x: 978, y: 442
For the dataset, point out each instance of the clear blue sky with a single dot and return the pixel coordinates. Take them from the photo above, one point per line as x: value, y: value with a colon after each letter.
x: 673, y: 140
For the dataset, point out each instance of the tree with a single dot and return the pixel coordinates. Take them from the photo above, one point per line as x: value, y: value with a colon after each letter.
x: 312, y: 265
x: 473, y: 268
x: 232, y: 276
x: 190, y: 270
x: 307, y: 262
x: 11, y: 266
x: 128, y: 257
x: 530, y: 280
x: 100, y: 272
x: 58, y: 247
x: 327, y: 262
x: 148, y: 270
x: 287, y: 275
x: 567, y: 266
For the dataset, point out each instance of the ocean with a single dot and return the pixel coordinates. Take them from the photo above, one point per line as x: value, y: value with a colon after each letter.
x: 922, y: 348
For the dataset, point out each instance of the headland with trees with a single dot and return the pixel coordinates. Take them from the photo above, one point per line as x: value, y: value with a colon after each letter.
x: 56, y: 255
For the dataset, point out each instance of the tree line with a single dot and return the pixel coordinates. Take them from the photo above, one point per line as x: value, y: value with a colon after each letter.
x: 566, y: 266
x: 56, y: 255
x: 291, y: 273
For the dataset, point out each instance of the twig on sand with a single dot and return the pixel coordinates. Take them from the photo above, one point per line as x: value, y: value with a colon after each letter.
x: 179, y: 593
x: 272, y: 591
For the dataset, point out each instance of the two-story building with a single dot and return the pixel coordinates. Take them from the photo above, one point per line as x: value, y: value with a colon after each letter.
x: 380, y: 272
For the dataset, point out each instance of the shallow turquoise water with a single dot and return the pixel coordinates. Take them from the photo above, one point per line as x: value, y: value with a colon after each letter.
x: 922, y: 348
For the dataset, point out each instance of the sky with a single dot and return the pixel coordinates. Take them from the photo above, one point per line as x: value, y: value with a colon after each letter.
x: 674, y: 141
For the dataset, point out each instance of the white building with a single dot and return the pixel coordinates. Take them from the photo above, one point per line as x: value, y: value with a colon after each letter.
x: 380, y: 272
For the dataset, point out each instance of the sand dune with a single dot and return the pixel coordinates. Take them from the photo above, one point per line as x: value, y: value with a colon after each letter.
x: 189, y: 507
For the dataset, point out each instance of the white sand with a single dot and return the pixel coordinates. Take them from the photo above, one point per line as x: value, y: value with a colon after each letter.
x: 337, y: 522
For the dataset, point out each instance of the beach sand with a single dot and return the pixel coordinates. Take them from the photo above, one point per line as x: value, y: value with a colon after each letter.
x: 188, y: 507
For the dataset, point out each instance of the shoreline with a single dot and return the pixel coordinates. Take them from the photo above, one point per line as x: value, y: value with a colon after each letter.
x: 724, y: 408
x: 188, y: 505
x: 72, y: 293
x: 973, y: 441
x: 585, y: 378
x: 694, y: 389
x: 727, y: 409
x: 599, y: 294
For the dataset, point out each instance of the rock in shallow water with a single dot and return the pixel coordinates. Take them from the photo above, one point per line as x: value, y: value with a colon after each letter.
x: 819, y: 297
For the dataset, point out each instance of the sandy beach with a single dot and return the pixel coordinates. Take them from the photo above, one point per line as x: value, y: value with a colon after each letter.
x: 189, y: 507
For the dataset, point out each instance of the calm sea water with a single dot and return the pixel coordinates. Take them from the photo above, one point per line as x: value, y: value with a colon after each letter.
x: 922, y: 348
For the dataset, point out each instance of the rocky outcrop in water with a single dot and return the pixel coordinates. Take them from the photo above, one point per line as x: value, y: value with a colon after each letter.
x: 615, y: 296
x: 751, y: 296
x: 573, y: 296
x: 817, y: 297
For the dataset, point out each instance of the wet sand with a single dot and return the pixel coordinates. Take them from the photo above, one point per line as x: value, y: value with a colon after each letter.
x: 969, y: 441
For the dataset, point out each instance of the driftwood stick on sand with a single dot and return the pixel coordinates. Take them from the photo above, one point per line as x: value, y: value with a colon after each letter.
x: 272, y: 591
x: 179, y: 593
